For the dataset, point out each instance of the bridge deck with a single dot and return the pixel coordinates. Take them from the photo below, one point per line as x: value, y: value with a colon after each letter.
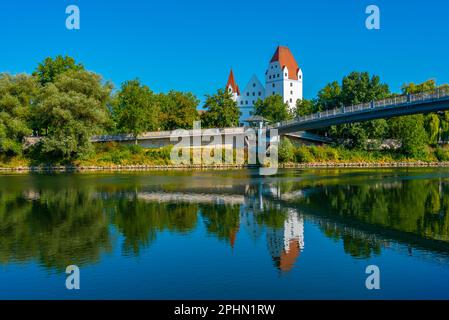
x: 397, y: 106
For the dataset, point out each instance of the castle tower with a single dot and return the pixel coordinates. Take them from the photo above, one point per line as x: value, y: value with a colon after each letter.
x: 232, y: 87
x: 284, y: 77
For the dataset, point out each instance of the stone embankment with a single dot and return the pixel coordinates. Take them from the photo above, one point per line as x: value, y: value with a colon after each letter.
x: 318, y: 165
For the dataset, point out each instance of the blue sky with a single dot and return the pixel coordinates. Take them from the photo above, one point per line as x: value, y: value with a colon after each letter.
x: 191, y: 45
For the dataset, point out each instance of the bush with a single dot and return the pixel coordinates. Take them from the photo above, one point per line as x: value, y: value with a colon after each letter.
x: 303, y: 155
x: 331, y: 154
x: 442, y: 154
x: 159, y: 153
x: 106, y: 146
x: 135, y: 149
x: 318, y: 153
x: 286, y: 151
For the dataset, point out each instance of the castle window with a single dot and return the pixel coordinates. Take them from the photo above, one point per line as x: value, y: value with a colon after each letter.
x: 291, y: 84
x: 286, y: 74
x: 254, y: 94
x: 300, y: 77
x: 247, y: 94
x: 274, y: 85
x: 291, y: 100
x: 259, y: 93
x: 254, y: 84
x: 278, y: 75
x: 241, y: 102
x: 246, y: 102
x: 253, y: 102
x: 291, y: 92
x: 273, y: 93
x: 269, y: 77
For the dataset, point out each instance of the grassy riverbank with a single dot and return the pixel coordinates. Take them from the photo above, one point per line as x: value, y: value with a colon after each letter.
x: 113, y: 156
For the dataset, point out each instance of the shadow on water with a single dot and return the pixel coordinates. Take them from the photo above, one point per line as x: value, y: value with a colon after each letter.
x: 65, y: 219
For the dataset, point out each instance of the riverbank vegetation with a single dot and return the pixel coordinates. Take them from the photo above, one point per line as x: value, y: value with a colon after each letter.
x: 64, y: 105
x: 290, y: 153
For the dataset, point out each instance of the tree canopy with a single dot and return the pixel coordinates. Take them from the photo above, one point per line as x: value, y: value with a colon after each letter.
x: 221, y: 110
x: 16, y: 96
x: 136, y: 108
x: 70, y: 111
x: 50, y: 68
x: 178, y: 110
x: 273, y: 108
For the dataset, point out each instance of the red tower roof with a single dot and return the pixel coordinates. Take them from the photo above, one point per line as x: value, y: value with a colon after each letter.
x: 285, y: 58
x: 232, y: 83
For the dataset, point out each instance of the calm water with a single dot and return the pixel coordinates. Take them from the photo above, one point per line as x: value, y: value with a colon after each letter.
x: 227, y: 235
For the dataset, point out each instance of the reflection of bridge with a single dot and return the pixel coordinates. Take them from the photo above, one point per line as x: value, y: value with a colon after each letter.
x: 398, y: 106
x: 191, y: 197
x: 286, y: 240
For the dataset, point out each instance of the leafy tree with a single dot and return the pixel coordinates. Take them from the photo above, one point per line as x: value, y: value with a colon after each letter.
x: 356, y: 88
x: 221, y: 110
x: 48, y: 70
x: 69, y: 111
x: 305, y: 107
x: 329, y: 97
x: 359, y: 87
x: 178, y: 110
x: 136, y: 109
x: 432, y: 127
x: 273, y: 108
x: 433, y: 123
x: 16, y: 96
x: 417, y: 88
x: 410, y: 131
x: 286, y: 151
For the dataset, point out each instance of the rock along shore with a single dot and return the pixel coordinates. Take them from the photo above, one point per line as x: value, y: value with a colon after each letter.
x: 318, y: 165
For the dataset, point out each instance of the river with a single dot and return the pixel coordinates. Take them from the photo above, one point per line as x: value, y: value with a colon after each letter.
x: 301, y: 234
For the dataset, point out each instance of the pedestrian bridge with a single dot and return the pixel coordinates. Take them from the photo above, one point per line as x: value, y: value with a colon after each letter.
x: 427, y: 102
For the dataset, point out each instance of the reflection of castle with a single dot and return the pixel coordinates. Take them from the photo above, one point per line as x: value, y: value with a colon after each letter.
x: 285, y: 244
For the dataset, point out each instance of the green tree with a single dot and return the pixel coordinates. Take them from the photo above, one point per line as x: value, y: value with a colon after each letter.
x: 286, y: 151
x: 359, y: 87
x: 329, y: 97
x: 356, y: 88
x: 410, y: 131
x: 136, y: 109
x: 48, y: 70
x: 16, y: 96
x: 434, y: 124
x: 273, y: 108
x: 178, y: 110
x: 417, y: 88
x: 305, y: 107
x: 69, y: 111
x: 221, y: 111
x: 432, y: 127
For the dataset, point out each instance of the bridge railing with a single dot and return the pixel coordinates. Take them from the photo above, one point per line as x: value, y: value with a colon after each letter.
x: 389, y: 102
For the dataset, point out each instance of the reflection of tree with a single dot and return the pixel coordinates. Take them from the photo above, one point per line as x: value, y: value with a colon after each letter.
x: 140, y: 221
x: 356, y: 245
x: 272, y: 217
x: 58, y: 228
x: 222, y: 221
x: 414, y: 206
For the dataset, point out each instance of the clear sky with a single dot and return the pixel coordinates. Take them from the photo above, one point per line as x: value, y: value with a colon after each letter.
x: 191, y: 45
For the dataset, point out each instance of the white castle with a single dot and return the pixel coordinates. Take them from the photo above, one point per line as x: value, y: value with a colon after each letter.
x: 283, y: 77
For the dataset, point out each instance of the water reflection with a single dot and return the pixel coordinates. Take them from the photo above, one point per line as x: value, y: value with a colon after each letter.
x: 62, y: 219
